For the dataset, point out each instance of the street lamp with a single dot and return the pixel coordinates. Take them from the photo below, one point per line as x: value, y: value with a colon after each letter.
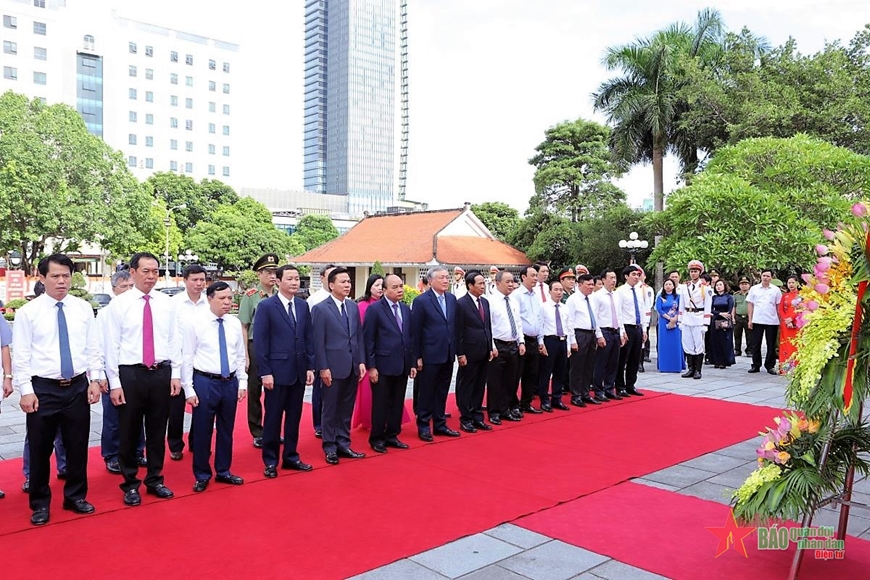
x: 187, y: 257
x: 632, y: 245
x: 167, y: 222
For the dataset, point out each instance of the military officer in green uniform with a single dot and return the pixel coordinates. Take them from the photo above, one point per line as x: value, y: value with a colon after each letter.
x: 568, y: 280
x: 742, y: 319
x: 265, y: 268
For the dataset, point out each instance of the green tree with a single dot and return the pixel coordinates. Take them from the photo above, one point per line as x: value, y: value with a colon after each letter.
x: 59, y: 182
x: 176, y: 190
x: 598, y: 239
x: 498, y: 217
x: 644, y: 106
x: 574, y: 169
x: 314, y: 230
x: 218, y: 192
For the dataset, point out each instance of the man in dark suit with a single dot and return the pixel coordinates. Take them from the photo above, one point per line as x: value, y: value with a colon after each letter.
x: 284, y: 337
x: 474, y: 348
x: 388, y: 333
x: 434, y: 315
x: 338, y: 356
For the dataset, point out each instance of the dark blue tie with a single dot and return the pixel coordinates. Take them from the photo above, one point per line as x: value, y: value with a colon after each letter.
x: 66, y: 364
x: 291, y: 315
x: 344, y: 316
x: 222, y: 343
x: 591, y: 316
x: 636, y: 306
x: 507, y: 301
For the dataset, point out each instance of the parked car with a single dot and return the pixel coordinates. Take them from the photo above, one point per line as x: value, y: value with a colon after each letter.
x: 102, y: 299
x: 172, y: 291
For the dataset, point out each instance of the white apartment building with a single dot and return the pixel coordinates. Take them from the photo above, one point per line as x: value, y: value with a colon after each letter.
x: 163, y: 97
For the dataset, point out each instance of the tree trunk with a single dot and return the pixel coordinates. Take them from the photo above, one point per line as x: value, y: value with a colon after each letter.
x: 658, y: 178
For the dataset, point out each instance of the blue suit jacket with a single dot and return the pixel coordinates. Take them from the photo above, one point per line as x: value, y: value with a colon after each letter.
x: 280, y: 352
x: 387, y: 348
x: 335, y: 348
x: 434, y: 337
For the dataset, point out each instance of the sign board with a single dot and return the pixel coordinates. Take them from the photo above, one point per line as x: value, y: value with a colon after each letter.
x: 16, y: 284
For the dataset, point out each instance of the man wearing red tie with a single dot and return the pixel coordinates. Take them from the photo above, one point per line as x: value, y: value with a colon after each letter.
x: 543, y: 289
x: 143, y: 365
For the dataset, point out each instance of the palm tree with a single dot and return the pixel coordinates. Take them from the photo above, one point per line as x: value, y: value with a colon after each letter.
x: 643, y: 104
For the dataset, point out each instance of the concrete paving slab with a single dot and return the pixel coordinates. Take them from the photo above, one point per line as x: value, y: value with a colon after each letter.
x: 616, y: 570
x: 680, y: 475
x: 715, y: 462
x: 465, y: 555
x: 517, y: 536
x: 400, y: 570
x: 494, y: 572
x: 553, y: 561
x: 710, y: 491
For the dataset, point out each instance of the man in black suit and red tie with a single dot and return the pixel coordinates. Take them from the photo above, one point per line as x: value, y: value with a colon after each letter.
x: 285, y: 358
x: 433, y: 315
x: 388, y: 334
x: 474, y: 349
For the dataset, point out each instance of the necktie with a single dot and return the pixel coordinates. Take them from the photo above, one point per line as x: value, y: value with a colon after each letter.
x: 543, y: 296
x: 560, y: 331
x: 222, y: 343
x: 443, y: 305
x: 344, y: 316
x: 66, y: 364
x: 398, y: 318
x: 591, y: 316
x: 636, y: 307
x: 507, y: 301
x: 291, y: 315
x: 147, y: 333
x: 480, y: 310
x: 614, y: 318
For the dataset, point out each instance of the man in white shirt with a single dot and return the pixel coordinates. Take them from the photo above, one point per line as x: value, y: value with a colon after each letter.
x: 55, y: 347
x: 215, y: 381
x: 531, y: 314
x: 696, y: 301
x: 649, y: 300
x: 491, y: 282
x: 187, y: 305
x: 610, y: 337
x: 558, y: 342
x: 583, y: 325
x: 761, y: 303
x: 316, y: 390
x: 143, y: 365
x: 542, y: 288
x: 507, y: 331
x: 634, y: 317
x: 457, y: 288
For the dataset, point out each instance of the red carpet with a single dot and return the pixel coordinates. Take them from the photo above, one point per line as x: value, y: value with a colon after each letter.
x: 664, y: 533
x: 343, y: 520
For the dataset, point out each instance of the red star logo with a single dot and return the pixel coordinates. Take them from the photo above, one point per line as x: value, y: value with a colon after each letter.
x: 731, y: 535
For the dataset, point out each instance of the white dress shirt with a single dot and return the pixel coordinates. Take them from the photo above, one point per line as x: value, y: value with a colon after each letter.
x: 764, y: 302
x: 36, y: 343
x: 601, y: 308
x: 122, y: 333
x: 625, y: 305
x: 318, y: 297
x: 285, y: 302
x: 530, y: 312
x: 185, y: 308
x: 458, y: 289
x: 201, y: 347
x: 577, y: 312
x: 549, y: 322
x: 501, y: 324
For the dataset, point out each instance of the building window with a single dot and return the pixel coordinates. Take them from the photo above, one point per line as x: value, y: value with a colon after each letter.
x: 188, y: 146
x: 149, y: 119
x: 211, y: 169
x: 39, y: 3
x: 131, y: 161
x: 173, y: 56
x: 39, y: 78
x: 211, y: 107
x: 149, y: 141
x: 226, y: 151
x: 149, y: 74
x: 133, y: 48
x: 133, y: 71
x: 211, y: 149
x: 40, y: 53
x: 188, y: 124
x: 226, y: 172
x: 149, y: 163
x: 188, y: 167
x: 131, y: 138
x: 10, y: 21
x: 173, y: 78
x: 173, y: 166
x: 226, y: 67
x: 39, y: 28
x: 188, y: 103
x: 212, y: 65
x: 226, y: 109
x: 133, y: 116
x: 212, y: 128
x: 10, y: 72
x: 188, y: 59
x: 226, y: 88
x: 173, y: 144
x: 173, y: 100
x: 88, y: 42
x: 149, y: 96
x: 133, y: 94
x: 212, y: 86
x: 188, y: 81
x: 149, y: 51
x: 226, y: 129
x: 173, y: 122
x: 10, y: 47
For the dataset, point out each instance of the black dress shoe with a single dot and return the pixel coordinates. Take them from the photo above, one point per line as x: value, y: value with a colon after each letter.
x: 332, y: 458
x: 509, y: 417
x: 427, y: 437
x: 350, y: 453
x: 271, y: 472
x: 61, y: 475
x: 396, y: 443
x: 622, y: 393
x: 591, y: 400
x: 634, y: 392
x: 40, y: 517
x: 546, y: 408
x: 160, y: 491
x: 2, y: 494
x: 296, y: 466
x: 602, y: 399
x: 517, y: 412
x: 132, y: 497
x: 640, y: 368
x: 448, y: 415
x: 467, y: 427
x: 200, y: 485
x: 229, y: 479
x: 647, y: 359
x: 258, y: 442
x: 495, y: 419
x: 613, y: 396
x: 563, y: 407
x: 142, y: 461
x: 530, y: 409
x: 176, y: 455
x: 482, y: 426
x: 446, y: 432
x: 754, y: 370
x: 113, y: 466
x: 318, y: 433
x: 379, y: 447
x: 79, y: 506
x: 26, y: 486
x: 771, y: 372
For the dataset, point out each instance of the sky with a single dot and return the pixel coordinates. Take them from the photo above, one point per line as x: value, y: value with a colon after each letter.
x: 487, y: 78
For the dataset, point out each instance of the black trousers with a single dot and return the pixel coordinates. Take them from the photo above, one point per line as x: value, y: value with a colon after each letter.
x: 501, y: 378
x: 433, y: 385
x: 338, y: 400
x: 283, y: 404
x: 606, y: 362
x: 769, y: 333
x: 388, y: 402
x: 217, y: 400
x: 629, y: 357
x: 528, y: 374
x: 255, y: 393
x: 741, y: 327
x: 65, y: 408
x: 175, y: 428
x: 470, y: 387
x: 147, y: 393
x: 554, y: 365
x: 583, y: 363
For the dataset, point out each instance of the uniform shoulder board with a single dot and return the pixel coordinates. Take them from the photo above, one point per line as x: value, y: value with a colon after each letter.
x: 250, y: 291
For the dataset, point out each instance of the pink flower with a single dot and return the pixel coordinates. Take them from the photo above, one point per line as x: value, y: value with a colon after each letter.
x: 824, y: 264
x: 812, y: 305
x: 821, y: 249
x: 859, y: 210
x: 822, y: 288
x: 807, y: 278
x: 799, y: 320
x: 829, y: 235
x: 821, y: 277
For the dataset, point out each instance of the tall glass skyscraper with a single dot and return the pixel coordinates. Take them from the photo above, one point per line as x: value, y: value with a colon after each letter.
x: 350, y: 100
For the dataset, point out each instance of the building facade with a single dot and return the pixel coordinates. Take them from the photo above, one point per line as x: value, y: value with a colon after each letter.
x: 161, y: 96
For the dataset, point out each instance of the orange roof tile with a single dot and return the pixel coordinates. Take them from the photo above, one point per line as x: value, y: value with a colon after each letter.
x: 474, y: 250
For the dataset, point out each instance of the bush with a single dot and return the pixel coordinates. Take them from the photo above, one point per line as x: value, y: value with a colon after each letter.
x: 9, y: 315
x: 15, y: 304
x: 410, y: 294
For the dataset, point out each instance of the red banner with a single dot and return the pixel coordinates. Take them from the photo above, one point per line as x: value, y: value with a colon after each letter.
x: 16, y: 284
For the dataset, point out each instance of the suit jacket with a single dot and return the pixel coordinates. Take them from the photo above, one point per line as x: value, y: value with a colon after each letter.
x: 473, y: 335
x: 282, y: 352
x: 387, y: 348
x: 335, y: 348
x: 435, y: 336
